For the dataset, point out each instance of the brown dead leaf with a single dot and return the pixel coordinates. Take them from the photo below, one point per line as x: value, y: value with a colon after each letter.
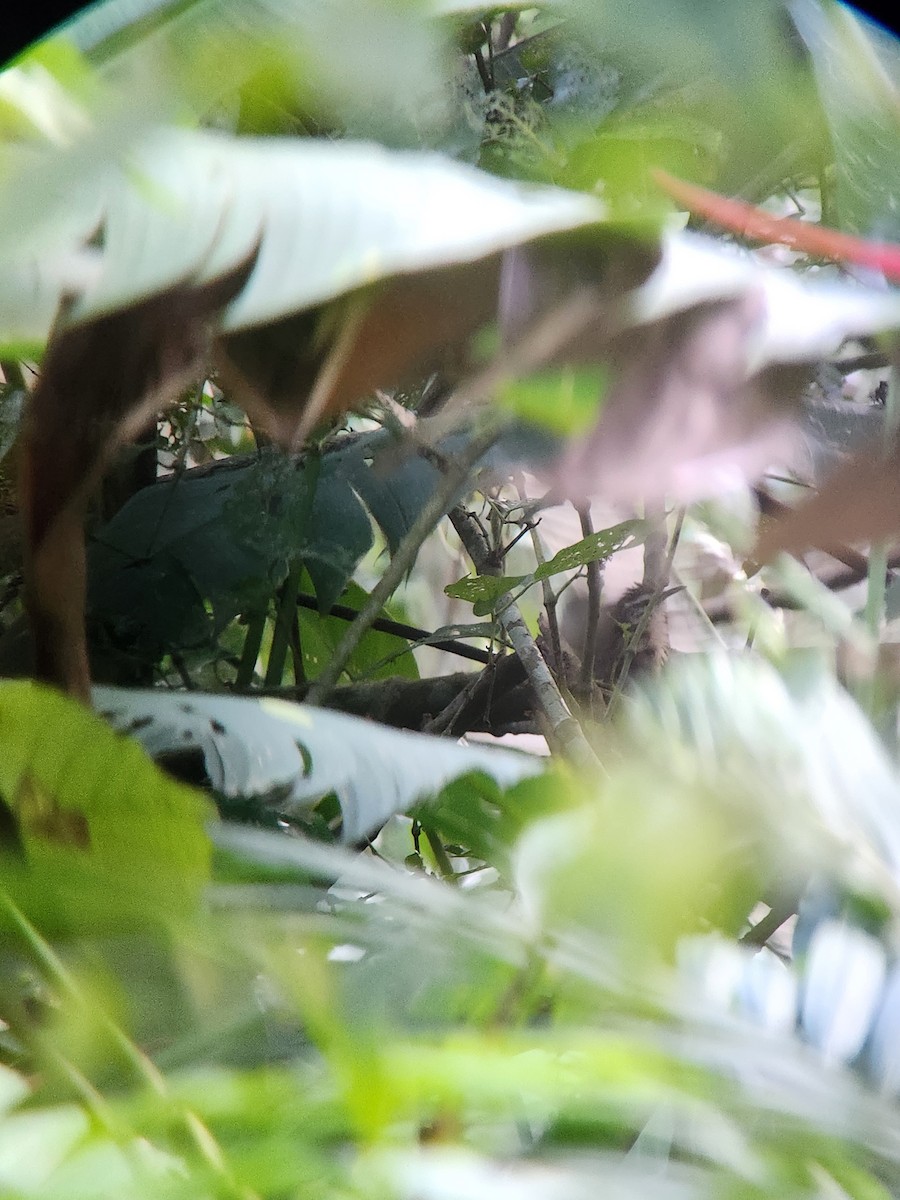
x: 687, y: 411
x: 294, y: 372
x: 543, y: 275
x: 99, y: 382
x: 686, y: 414
x: 859, y: 502
x: 290, y: 374
x: 42, y: 818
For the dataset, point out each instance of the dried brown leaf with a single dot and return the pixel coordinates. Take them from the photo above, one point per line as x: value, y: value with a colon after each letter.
x: 859, y: 502
x: 99, y: 382
x: 686, y: 414
x: 290, y: 374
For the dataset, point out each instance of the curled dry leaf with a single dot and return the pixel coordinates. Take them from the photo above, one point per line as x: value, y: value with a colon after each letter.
x: 100, y: 380
x: 707, y: 365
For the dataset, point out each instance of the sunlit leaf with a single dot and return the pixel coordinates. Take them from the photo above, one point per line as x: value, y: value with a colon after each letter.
x: 100, y: 833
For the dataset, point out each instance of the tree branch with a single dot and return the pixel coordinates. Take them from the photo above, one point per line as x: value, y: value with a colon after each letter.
x: 495, y: 701
x: 564, y: 728
x: 594, y: 584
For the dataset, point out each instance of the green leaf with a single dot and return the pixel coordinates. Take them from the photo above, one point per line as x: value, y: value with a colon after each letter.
x: 378, y: 656
x: 857, y: 68
x: 98, y: 833
x: 593, y: 548
x: 183, y: 557
x: 204, y: 203
x: 565, y: 401
x: 484, y: 591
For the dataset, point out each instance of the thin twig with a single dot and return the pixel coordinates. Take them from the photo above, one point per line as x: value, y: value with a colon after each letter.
x: 285, y: 615
x: 641, y: 628
x: 400, y: 629
x: 297, y: 651
x: 441, y: 857
x: 505, y: 32
x: 253, y: 639
x: 448, y: 714
x: 656, y: 563
x: 594, y: 585
x: 550, y: 597
x: 759, y: 934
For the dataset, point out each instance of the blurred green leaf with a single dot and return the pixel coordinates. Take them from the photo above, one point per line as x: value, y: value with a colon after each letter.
x: 99, y: 835
x: 566, y: 402
x: 857, y: 68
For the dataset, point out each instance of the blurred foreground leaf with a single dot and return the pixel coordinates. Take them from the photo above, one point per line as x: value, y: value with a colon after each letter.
x: 292, y: 755
x: 95, y: 835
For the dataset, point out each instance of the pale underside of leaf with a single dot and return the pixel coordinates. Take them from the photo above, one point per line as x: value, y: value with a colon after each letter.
x: 270, y: 747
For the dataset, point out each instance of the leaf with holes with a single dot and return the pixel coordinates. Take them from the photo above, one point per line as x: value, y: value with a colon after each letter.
x: 290, y: 756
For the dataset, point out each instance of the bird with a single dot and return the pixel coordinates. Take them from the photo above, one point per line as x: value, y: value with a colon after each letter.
x: 632, y: 636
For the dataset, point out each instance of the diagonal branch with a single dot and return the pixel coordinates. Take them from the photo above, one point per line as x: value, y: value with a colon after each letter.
x: 564, y: 726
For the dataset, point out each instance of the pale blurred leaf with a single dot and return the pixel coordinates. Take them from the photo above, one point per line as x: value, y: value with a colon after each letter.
x: 294, y: 755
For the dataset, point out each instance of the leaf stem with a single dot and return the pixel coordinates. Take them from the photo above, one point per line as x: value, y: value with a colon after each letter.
x: 594, y: 585
x: 256, y: 627
x: 441, y: 857
x: 285, y: 615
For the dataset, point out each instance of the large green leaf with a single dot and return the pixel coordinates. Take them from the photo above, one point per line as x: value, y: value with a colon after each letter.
x: 857, y: 67
x: 192, y: 205
x: 295, y: 755
x: 197, y: 204
x: 95, y: 833
x: 228, y: 536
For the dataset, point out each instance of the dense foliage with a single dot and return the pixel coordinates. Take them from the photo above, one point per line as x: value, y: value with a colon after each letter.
x: 359, y: 363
